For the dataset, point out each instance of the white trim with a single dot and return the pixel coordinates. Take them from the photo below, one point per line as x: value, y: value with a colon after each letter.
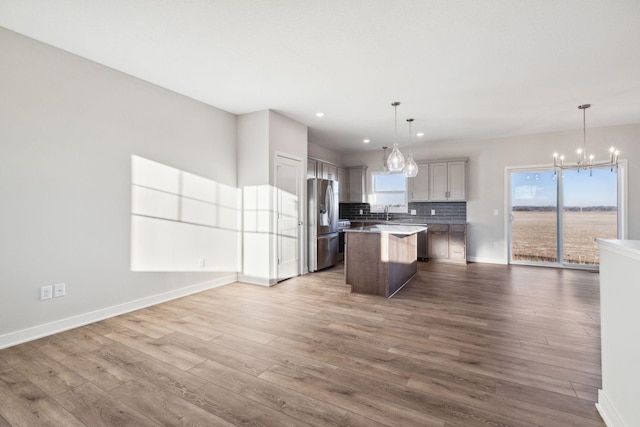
x: 622, y: 212
x: 486, y: 260
x: 623, y: 200
x: 607, y: 412
x: 506, y: 251
x: 255, y: 280
x: 35, y: 332
x: 302, y: 200
x: 626, y: 248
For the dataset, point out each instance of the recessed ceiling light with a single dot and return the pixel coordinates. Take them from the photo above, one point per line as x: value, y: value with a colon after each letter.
x: 319, y: 114
x: 366, y: 141
x: 420, y: 134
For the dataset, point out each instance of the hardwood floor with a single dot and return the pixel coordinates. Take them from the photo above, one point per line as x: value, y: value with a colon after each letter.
x: 472, y: 345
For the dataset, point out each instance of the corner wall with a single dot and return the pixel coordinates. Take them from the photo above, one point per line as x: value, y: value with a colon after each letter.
x: 261, y: 136
x: 68, y: 130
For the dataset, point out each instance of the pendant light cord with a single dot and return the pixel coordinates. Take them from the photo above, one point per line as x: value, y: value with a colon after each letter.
x: 584, y: 132
x: 395, y: 124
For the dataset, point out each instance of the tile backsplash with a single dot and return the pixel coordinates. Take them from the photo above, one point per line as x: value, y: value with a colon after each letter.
x: 445, y: 212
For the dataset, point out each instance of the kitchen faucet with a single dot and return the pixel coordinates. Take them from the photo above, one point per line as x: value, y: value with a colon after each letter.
x: 386, y: 211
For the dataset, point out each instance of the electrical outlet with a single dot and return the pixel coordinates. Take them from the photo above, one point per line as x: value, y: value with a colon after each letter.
x: 46, y: 292
x: 203, y: 262
x: 360, y: 211
x: 413, y: 212
x: 495, y: 212
x: 433, y: 212
x: 59, y: 290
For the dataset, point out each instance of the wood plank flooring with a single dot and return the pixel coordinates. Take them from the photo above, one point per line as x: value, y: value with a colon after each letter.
x: 476, y: 345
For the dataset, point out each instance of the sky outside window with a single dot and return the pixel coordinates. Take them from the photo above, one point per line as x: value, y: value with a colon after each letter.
x: 580, y: 189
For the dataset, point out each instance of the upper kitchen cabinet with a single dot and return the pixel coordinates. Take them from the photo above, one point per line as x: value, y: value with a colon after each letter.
x: 329, y: 171
x: 447, y: 181
x: 357, y: 184
x: 419, y: 185
x: 319, y: 169
x: 312, y: 168
x: 343, y: 185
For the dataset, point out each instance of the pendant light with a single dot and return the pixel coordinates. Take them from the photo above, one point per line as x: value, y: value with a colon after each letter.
x: 385, y: 169
x: 411, y: 168
x: 585, y: 162
x: 395, y: 161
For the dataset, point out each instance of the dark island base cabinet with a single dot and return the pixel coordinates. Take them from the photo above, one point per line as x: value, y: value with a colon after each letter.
x: 447, y: 243
x: 379, y: 263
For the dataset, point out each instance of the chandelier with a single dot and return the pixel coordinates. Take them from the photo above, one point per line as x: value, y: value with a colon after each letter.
x: 583, y: 161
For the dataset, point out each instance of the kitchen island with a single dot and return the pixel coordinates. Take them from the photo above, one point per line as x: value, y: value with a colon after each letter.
x: 380, y: 259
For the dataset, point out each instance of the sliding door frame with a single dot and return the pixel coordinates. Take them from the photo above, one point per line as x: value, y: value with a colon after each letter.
x: 622, y: 214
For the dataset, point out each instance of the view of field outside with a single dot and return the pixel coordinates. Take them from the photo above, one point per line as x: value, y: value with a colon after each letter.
x: 590, y: 212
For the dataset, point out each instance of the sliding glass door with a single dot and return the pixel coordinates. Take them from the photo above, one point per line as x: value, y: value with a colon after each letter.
x: 534, y: 219
x: 555, y: 218
x: 589, y: 211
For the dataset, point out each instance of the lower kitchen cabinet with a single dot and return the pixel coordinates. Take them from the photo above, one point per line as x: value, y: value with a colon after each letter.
x: 438, y: 241
x: 447, y: 243
x: 458, y: 242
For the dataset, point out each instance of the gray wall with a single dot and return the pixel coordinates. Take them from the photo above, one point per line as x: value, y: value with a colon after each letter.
x: 68, y: 129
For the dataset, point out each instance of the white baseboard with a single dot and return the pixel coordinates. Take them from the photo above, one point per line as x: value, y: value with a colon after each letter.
x: 486, y: 260
x: 607, y: 412
x: 254, y: 280
x: 35, y: 332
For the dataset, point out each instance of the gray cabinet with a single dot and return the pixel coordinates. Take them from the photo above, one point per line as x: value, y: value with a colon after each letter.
x: 329, y: 171
x: 343, y: 187
x: 458, y: 242
x: 447, y: 243
x: 357, y: 184
x: 419, y: 185
x: 447, y: 181
x: 312, y: 168
x: 438, y: 241
x: 318, y: 169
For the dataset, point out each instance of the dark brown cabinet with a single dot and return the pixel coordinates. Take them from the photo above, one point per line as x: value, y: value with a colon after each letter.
x: 447, y: 243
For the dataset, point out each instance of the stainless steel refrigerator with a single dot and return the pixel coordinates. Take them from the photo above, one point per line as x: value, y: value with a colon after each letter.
x: 322, y: 223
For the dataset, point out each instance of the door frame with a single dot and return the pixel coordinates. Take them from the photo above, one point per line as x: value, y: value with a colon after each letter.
x: 301, y: 212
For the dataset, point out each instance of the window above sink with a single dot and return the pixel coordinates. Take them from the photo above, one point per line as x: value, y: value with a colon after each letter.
x: 388, y: 190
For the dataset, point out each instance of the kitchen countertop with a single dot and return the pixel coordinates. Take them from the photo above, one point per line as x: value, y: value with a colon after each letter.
x: 397, y: 229
x: 397, y: 222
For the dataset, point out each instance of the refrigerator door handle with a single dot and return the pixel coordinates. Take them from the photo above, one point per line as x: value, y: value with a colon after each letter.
x: 329, y: 201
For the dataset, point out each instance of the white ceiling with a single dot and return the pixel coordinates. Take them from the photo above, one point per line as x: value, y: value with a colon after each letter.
x: 464, y: 69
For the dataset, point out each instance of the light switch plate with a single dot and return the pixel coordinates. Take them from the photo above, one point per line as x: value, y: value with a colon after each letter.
x: 413, y: 212
x: 495, y: 212
x: 59, y: 290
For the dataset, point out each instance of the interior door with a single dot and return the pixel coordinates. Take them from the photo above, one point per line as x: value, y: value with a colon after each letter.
x: 289, y: 214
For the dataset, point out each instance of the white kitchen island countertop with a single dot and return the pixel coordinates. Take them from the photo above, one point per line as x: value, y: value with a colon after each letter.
x: 389, y: 229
